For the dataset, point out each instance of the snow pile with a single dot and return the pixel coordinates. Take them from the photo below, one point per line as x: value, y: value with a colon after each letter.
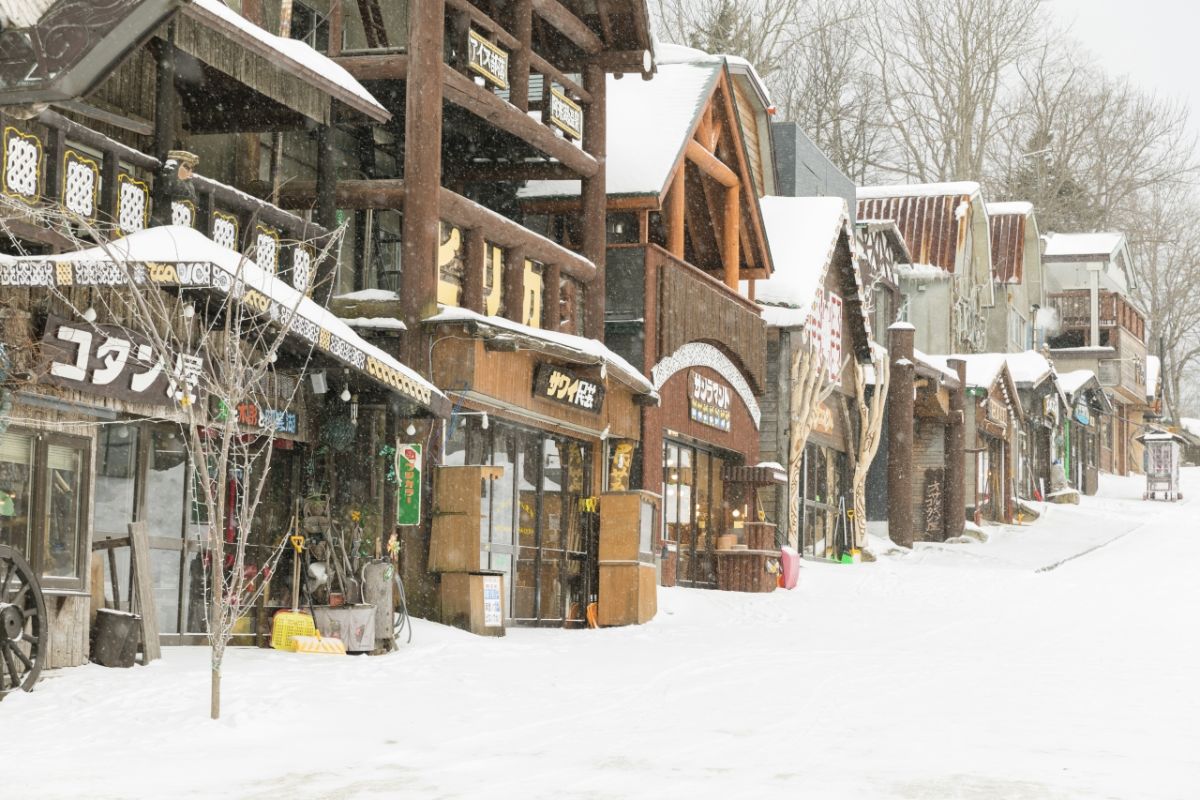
x: 376, y: 323
x: 1018, y: 208
x: 968, y: 188
x: 368, y: 296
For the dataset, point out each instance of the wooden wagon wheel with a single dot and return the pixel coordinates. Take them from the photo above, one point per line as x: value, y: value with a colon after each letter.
x: 23, y: 623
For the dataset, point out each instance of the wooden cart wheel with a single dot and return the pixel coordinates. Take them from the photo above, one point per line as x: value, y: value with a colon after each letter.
x: 23, y: 624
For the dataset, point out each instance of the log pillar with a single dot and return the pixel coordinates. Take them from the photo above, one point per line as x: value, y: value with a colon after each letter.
x: 956, y: 454
x: 595, y: 200
x: 900, y: 434
x: 730, y: 257
x: 164, y: 97
x: 518, y: 62
x: 512, y: 292
x: 422, y: 170
x: 474, y: 262
x: 676, y: 205
x: 552, y: 297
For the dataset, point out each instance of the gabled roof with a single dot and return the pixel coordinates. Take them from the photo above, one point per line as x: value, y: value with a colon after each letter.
x: 1083, y: 381
x: 984, y: 371
x: 1082, y: 244
x: 1010, y: 226
x: 928, y: 215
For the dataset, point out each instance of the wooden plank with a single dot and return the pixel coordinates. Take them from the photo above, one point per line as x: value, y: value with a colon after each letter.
x: 139, y: 566
x: 561, y: 19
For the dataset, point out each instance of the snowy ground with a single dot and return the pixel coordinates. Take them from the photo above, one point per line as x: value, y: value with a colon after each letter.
x: 954, y: 671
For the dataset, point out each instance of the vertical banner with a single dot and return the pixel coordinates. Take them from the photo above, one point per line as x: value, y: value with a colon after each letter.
x: 409, y: 466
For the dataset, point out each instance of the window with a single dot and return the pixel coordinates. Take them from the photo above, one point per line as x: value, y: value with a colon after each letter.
x: 43, y: 500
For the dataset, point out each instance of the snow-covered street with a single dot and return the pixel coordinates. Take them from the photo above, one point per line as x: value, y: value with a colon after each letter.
x: 965, y: 670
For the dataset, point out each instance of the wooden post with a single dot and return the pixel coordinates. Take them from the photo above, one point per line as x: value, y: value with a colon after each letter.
x: 164, y: 97
x: 422, y: 170
x: 595, y: 201
x: 900, y: 434
x: 730, y: 256
x: 552, y: 297
x: 518, y: 62
x: 336, y: 26
x: 513, y: 289
x: 676, y: 203
x: 143, y: 583
x: 474, y: 263
x: 956, y: 454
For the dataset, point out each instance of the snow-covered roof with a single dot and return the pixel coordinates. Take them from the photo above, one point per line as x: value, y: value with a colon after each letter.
x: 172, y: 244
x: 1153, y: 370
x: 1082, y: 244
x: 919, y: 271
x: 934, y: 364
x: 368, y: 296
x: 1071, y: 382
x: 918, y: 190
x: 1029, y: 368
x: 982, y: 368
x: 294, y: 56
x: 802, y: 233
x: 1019, y: 207
x: 376, y: 323
x: 590, y: 350
x: 648, y: 124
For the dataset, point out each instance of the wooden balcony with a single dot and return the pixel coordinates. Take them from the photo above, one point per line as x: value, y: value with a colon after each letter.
x: 1075, y: 311
x: 92, y: 184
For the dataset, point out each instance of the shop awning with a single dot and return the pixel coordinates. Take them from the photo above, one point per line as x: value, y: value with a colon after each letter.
x: 179, y: 257
x: 572, y: 348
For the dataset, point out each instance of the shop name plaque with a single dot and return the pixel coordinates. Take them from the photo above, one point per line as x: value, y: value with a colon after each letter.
x: 565, y: 114
x: 709, y: 401
x: 487, y: 60
x: 564, y: 386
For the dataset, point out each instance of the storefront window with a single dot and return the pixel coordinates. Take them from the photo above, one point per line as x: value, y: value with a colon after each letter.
x: 116, y: 481
x: 43, y: 499
x: 694, y: 510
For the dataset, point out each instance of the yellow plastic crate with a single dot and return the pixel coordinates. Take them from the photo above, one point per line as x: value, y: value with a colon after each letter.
x: 289, y: 624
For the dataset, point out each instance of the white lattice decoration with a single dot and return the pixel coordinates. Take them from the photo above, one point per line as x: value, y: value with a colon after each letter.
x: 224, y: 230
x: 699, y: 354
x: 266, y: 250
x: 80, y: 181
x: 22, y: 163
x: 181, y: 214
x: 132, y: 202
x: 301, y: 268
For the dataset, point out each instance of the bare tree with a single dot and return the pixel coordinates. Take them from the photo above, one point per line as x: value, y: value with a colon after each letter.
x: 220, y: 345
x: 761, y: 31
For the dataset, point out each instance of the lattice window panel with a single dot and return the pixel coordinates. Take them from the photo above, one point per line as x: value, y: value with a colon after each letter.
x: 225, y: 230
x: 301, y: 268
x: 81, y: 184
x: 182, y: 213
x: 266, y: 249
x: 133, y: 204
x: 22, y: 165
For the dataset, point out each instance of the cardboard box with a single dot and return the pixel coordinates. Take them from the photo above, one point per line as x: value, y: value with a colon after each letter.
x: 627, y: 593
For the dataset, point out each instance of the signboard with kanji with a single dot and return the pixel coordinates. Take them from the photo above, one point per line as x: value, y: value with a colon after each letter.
x: 564, y: 386
x: 409, y: 466
x: 107, y: 360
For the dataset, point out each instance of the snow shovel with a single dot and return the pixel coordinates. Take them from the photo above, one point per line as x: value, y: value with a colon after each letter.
x: 286, y: 626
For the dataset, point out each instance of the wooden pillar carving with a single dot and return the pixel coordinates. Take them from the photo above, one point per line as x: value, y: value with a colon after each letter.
x: 513, y: 289
x: 595, y: 200
x: 676, y: 203
x: 422, y: 167
x: 956, y: 453
x: 475, y: 262
x: 518, y: 62
x: 900, y: 434
x: 730, y: 256
x: 552, y: 297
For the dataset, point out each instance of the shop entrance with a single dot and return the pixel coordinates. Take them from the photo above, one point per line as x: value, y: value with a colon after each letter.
x: 533, y: 527
x: 696, y: 509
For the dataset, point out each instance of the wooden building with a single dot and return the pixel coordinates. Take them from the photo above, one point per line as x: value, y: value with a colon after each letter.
x: 686, y: 244
x: 1019, y: 277
x: 1087, y: 405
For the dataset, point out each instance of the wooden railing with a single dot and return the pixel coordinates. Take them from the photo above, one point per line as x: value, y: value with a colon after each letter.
x: 1074, y: 309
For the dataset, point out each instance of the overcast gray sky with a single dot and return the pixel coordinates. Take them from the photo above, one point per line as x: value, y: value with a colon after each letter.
x: 1152, y: 41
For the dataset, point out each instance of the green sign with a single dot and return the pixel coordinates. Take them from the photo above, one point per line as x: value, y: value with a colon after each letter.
x: 409, y: 465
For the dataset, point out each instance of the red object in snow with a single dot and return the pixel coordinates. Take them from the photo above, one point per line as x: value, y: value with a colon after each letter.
x: 789, y: 561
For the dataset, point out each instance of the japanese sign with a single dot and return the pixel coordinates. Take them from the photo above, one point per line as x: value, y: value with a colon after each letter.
x: 253, y: 415
x: 106, y: 360
x: 493, y: 610
x: 409, y: 465
x: 487, y: 60
x: 564, y: 386
x: 709, y: 401
x: 1083, y: 414
x: 565, y: 114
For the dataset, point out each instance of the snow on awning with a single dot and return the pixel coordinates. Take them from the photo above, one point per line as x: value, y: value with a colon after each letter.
x: 578, y: 348
x: 180, y: 257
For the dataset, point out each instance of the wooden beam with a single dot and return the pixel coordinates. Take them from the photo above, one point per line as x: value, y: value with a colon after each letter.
x: 644, y: 226
x: 729, y: 241
x: 390, y: 67
x: 551, y: 297
x: 576, y: 30
x: 511, y: 41
x: 336, y: 26
x: 512, y: 290
x: 474, y: 263
x: 710, y: 165
x: 595, y: 197
x: 517, y: 171
x: 463, y: 92
x: 518, y: 63
x: 676, y: 207
x: 572, y: 205
x: 544, y: 67
x: 421, y: 234
x: 622, y: 61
